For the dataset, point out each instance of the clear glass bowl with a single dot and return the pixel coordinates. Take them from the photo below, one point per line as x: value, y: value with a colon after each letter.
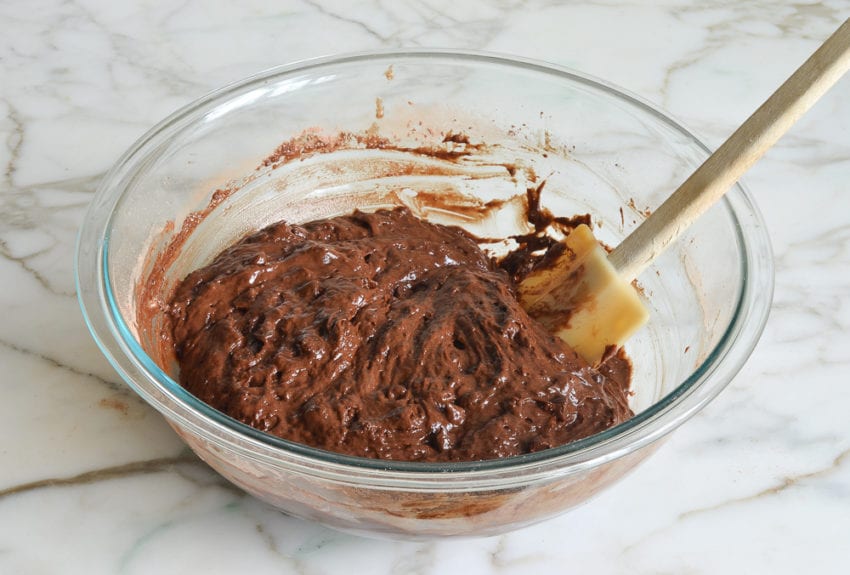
x: 600, y: 150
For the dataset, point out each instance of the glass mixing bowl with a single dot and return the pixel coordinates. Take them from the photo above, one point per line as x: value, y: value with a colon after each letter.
x: 493, y: 127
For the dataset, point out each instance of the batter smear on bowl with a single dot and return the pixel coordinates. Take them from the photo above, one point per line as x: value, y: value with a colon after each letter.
x: 383, y: 335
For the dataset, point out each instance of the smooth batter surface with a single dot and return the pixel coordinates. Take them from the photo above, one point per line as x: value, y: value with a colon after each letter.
x: 381, y: 335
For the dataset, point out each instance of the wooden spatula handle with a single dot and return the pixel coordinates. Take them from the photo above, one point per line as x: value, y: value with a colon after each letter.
x: 735, y: 156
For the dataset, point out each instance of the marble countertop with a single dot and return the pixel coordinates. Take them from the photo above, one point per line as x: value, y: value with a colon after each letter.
x: 92, y: 480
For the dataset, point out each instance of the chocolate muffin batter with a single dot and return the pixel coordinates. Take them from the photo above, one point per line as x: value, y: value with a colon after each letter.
x: 385, y: 336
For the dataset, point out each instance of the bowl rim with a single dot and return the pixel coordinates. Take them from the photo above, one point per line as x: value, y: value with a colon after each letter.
x: 126, y: 355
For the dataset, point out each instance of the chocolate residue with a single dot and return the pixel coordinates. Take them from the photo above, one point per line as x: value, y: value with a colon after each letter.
x: 538, y: 217
x: 388, y: 73
x: 539, y: 249
x: 382, y: 335
x: 541, y: 218
x: 379, y: 108
x: 311, y: 142
x: 455, y: 146
x: 646, y: 212
x: 457, y: 138
x: 617, y: 367
x: 148, y: 291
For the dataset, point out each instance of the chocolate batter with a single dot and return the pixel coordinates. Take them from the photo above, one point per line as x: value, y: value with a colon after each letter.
x: 382, y: 335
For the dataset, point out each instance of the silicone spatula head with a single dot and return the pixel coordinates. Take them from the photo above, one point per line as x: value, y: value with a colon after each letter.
x: 582, y: 299
x: 587, y: 298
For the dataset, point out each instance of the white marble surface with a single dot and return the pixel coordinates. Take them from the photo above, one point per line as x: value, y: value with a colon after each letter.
x: 93, y: 481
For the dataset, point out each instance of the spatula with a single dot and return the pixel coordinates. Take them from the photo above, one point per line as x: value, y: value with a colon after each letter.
x: 587, y: 298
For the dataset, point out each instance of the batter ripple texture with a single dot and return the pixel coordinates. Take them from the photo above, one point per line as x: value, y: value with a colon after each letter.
x: 382, y: 335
